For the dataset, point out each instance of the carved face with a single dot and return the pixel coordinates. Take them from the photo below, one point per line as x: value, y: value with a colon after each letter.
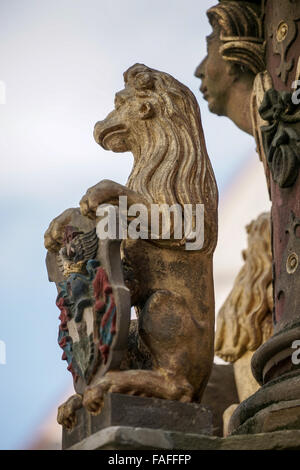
x: 216, y: 75
x: 115, y: 131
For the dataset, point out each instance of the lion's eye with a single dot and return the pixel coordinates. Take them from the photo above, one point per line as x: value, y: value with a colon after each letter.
x: 119, y: 102
x: 144, y: 81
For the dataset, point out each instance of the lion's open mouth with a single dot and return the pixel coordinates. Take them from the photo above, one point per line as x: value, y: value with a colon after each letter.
x: 103, y: 135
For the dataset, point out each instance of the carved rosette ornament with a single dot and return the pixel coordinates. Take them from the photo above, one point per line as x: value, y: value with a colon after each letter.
x: 283, y: 33
x: 281, y: 140
x: 289, y: 279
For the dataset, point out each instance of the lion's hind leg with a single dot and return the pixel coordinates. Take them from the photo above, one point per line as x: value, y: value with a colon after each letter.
x: 165, y: 328
x: 145, y: 383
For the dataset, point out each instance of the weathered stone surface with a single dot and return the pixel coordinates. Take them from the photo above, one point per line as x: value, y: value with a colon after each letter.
x: 235, y: 54
x: 272, y: 362
x: 130, y: 438
x: 140, y: 412
x: 125, y: 438
x: 169, y: 275
x: 279, y: 398
x: 171, y: 284
x: 245, y: 319
x: 219, y: 394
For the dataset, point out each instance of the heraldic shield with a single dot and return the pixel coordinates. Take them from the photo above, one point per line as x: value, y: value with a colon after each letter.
x: 94, y: 303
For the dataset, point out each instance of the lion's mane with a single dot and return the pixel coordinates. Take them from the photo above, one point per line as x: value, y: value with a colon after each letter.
x: 245, y: 319
x: 173, y: 165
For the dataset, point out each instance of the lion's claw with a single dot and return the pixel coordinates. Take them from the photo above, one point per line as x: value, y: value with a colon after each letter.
x: 105, y: 192
x: 93, y: 399
x: 53, y: 237
x: 66, y: 415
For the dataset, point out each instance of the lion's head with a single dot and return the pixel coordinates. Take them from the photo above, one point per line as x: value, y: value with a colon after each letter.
x: 245, y: 320
x: 158, y: 120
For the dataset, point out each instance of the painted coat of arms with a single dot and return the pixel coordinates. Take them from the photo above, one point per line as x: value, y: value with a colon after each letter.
x: 94, y: 304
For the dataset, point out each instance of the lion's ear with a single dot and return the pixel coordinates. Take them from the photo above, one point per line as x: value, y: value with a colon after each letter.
x: 146, y: 110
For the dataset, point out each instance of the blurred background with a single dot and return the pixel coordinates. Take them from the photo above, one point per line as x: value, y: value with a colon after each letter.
x: 61, y: 62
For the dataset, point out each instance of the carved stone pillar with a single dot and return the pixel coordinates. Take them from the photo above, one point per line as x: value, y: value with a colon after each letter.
x: 277, y: 404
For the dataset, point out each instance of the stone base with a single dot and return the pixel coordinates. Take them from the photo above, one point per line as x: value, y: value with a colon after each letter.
x: 274, y: 407
x: 219, y: 394
x: 132, y: 412
x: 132, y: 438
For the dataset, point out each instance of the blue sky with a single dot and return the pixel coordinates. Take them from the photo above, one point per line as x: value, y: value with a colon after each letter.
x: 62, y: 61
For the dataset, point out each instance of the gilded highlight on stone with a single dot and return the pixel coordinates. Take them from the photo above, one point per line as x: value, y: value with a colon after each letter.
x: 245, y: 320
x: 158, y: 119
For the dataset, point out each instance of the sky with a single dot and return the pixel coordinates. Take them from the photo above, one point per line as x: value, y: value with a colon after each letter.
x: 61, y: 62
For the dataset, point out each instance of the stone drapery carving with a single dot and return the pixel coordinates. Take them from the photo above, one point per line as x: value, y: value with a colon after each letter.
x: 282, y: 32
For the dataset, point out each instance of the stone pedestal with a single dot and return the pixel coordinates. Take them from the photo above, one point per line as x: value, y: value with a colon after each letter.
x: 132, y: 412
x: 135, y: 439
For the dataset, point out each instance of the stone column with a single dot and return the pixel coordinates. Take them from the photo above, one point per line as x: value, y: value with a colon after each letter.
x: 277, y: 404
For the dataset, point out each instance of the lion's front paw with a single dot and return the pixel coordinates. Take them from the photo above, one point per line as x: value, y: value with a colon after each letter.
x: 105, y: 192
x: 88, y: 204
x: 53, y: 237
x: 93, y: 399
x: 112, y: 382
x: 66, y: 415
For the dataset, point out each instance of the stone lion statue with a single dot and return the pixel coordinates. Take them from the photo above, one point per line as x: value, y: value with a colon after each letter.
x: 245, y: 319
x: 158, y: 120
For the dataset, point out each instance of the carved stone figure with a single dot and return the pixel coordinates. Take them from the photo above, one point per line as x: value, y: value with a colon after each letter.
x: 245, y: 320
x: 234, y: 82
x: 93, y: 300
x: 158, y: 120
x: 233, y: 75
x: 235, y: 54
